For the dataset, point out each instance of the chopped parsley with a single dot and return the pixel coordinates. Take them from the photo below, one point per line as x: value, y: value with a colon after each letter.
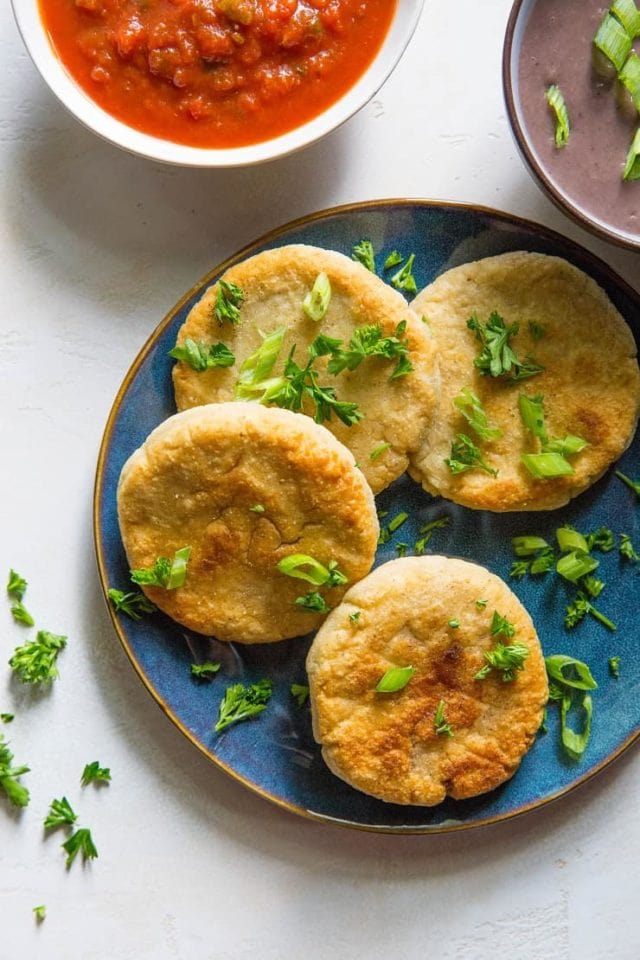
x: 627, y: 549
x: 313, y: 601
x: 504, y: 659
x: 203, y: 356
x: 94, y: 773
x: 205, y: 671
x: 16, y: 793
x: 395, y: 679
x: 363, y: 253
x: 20, y: 614
x: 578, y: 610
x: 61, y: 814
x: 80, y: 842
x: 401, y: 549
x: 165, y: 573
x: 35, y: 661
x: 614, y: 667
x: 133, y: 604
x: 16, y: 585
x: 404, y: 279
x: 242, y: 703
x: 229, y: 299
x: 497, y: 358
x: 354, y: 618
x: 440, y: 724
x: 465, y: 456
x: 40, y: 912
x: 298, y: 384
x: 367, y: 341
x: 300, y: 693
x: 632, y: 484
x: 6, y: 717
x: 536, y: 330
x: 603, y: 539
x: 394, y: 258
x: 427, y: 531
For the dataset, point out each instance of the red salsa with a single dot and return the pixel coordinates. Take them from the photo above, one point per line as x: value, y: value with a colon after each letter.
x: 216, y: 73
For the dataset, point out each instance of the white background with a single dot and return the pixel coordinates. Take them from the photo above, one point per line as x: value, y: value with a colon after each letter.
x: 95, y: 247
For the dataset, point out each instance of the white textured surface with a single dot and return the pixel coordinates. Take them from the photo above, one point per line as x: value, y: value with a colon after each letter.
x: 95, y: 247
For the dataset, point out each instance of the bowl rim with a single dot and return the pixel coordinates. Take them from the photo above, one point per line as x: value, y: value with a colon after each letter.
x: 271, y: 236
x: 94, y: 118
x: 537, y: 170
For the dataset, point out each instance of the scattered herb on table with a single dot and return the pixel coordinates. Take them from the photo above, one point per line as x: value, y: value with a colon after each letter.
x: 40, y: 912
x: 578, y: 609
x: 80, y: 842
x: 6, y: 717
x: 16, y: 585
x: 243, y: 703
x: 401, y: 549
x: 94, y: 773
x: 35, y: 661
x: 16, y: 793
x: 20, y: 614
x: 61, y: 814
x: 300, y: 693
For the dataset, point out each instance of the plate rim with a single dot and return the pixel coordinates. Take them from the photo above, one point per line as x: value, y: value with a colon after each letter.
x: 270, y: 236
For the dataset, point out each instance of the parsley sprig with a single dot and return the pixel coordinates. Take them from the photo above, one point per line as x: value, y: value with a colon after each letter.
x: 35, y: 661
x: 465, y: 455
x: 299, y: 384
x: 16, y: 793
x: 242, y: 703
x: 300, y: 693
x: 506, y: 659
x: 229, y: 299
x: 497, y: 357
x: 366, y: 342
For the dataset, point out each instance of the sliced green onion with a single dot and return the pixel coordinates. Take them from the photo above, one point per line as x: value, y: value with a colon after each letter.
x: 557, y: 103
x: 568, y: 447
x: 546, y: 466
x: 575, y: 743
x: 303, y: 567
x: 613, y: 41
x: 569, y: 540
x: 579, y: 675
x: 395, y: 679
x: 178, y: 572
x: 629, y: 16
x: 397, y: 521
x: 532, y: 413
x: 316, y: 303
x: 527, y: 546
x: 632, y: 166
x: 629, y: 77
x: 577, y: 564
x: 470, y: 406
x: 256, y: 369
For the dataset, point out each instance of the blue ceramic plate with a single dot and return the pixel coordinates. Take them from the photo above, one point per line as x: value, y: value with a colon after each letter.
x: 275, y: 756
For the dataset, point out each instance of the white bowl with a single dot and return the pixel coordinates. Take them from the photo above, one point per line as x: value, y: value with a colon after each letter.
x: 71, y: 95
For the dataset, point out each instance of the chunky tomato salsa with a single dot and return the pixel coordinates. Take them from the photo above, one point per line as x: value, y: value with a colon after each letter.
x: 216, y: 73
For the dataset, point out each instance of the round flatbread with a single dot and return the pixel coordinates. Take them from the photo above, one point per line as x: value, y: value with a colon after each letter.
x: 245, y: 486
x: 403, y: 615
x: 275, y: 284
x: 590, y: 383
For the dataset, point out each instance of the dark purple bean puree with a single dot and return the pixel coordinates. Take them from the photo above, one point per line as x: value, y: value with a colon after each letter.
x: 556, y: 48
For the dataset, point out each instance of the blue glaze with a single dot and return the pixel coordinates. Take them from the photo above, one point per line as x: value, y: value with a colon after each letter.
x: 276, y: 754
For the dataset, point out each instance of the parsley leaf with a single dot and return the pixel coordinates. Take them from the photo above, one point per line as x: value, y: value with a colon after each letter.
x: 614, y: 667
x: 632, y: 484
x: 6, y: 717
x: 21, y: 615
x: 313, y: 601
x: 94, y: 773
x: 203, y: 356
x: 205, y: 671
x: 404, y: 279
x: 16, y: 585
x: 366, y: 341
x: 627, y: 550
x: 165, y: 573
x: 229, y: 299
x: 427, y: 531
x: 505, y: 659
x: 363, y: 253
x: 134, y: 604
x: 35, y: 661
x: 466, y: 456
x: 241, y: 703
x: 394, y: 258
x: 300, y: 693
x: 60, y: 814
x: 16, y: 793
x: 497, y: 358
x: 80, y: 842
x: 602, y: 539
x: 441, y: 726
x: 300, y: 383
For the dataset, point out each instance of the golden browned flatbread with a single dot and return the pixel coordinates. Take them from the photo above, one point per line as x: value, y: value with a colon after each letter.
x: 194, y: 483
x: 386, y: 744
x: 275, y: 283
x: 590, y: 382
